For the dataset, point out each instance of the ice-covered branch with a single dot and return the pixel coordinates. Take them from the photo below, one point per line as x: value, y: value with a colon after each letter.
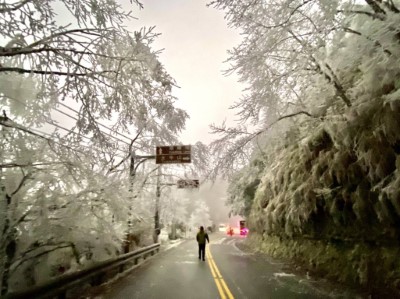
x: 377, y: 43
x: 376, y: 6
x: 362, y: 12
x: 13, y: 7
x: 18, y: 165
x: 21, y: 183
x: 286, y: 22
x: 10, y: 124
x: 52, y: 72
x: 15, y: 51
x: 86, y: 31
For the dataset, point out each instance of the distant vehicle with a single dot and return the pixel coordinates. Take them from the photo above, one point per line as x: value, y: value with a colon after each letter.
x: 222, y: 227
x: 243, y: 229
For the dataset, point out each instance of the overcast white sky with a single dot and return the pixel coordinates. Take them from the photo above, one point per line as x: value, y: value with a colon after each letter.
x: 196, y: 39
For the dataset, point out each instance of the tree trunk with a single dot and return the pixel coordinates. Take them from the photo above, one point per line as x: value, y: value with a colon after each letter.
x: 8, y: 244
x: 173, y: 230
x: 10, y: 248
x: 3, y: 218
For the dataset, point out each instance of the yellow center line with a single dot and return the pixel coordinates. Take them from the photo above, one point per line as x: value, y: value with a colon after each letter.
x: 219, y: 281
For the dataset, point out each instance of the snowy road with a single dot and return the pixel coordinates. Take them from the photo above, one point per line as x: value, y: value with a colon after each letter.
x: 227, y: 273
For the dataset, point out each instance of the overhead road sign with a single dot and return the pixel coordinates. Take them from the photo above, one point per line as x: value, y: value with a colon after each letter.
x: 187, y: 184
x: 173, y: 154
x: 171, y: 159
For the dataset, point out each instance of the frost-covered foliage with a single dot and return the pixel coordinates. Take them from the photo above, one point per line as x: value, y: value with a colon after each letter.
x: 66, y: 198
x: 243, y: 186
x: 338, y: 182
x: 278, y: 59
x: 200, y: 215
x: 336, y: 64
x: 346, y: 168
x: 55, y: 205
x: 333, y: 175
x: 299, y: 59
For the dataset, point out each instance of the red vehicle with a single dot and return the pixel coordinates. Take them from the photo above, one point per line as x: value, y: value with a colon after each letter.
x: 243, y: 229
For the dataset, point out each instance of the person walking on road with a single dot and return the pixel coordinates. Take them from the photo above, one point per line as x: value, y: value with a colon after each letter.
x: 201, y: 238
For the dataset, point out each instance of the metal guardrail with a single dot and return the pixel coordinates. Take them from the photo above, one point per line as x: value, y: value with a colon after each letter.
x: 94, y: 275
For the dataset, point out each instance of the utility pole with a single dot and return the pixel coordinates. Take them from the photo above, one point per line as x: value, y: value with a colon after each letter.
x: 132, y: 173
x: 157, y: 228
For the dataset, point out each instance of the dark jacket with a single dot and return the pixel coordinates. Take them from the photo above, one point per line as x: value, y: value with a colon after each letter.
x: 201, y: 237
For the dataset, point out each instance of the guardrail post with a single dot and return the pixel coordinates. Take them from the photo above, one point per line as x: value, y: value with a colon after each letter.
x: 121, y: 269
x: 98, y: 279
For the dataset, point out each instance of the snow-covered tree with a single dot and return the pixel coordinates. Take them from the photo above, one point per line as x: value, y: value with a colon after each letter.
x: 200, y: 215
x: 70, y: 189
x: 242, y: 187
x: 291, y: 58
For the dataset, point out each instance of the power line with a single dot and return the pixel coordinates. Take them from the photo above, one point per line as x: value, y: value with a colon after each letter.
x: 60, y: 143
x: 70, y: 131
x: 42, y: 135
x: 101, y: 125
x: 66, y: 114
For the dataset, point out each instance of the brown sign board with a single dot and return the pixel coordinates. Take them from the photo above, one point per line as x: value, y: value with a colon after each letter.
x: 187, y: 184
x: 170, y: 159
x: 173, y: 154
x: 173, y: 150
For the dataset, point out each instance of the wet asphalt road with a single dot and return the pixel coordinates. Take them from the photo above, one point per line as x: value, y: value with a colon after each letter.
x: 227, y: 273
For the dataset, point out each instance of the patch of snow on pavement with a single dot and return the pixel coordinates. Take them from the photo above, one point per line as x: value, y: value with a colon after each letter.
x: 171, y: 244
x: 282, y: 274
